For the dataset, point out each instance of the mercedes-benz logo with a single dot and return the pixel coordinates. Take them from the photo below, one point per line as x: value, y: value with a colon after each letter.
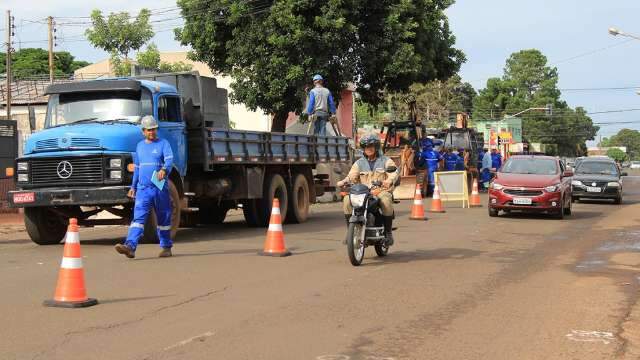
x: 64, y: 169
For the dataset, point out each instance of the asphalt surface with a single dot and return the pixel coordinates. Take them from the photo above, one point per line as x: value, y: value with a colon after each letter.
x: 459, y: 286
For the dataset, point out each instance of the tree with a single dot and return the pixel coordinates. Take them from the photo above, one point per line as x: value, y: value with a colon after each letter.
x: 617, y: 154
x: 30, y: 62
x: 150, y: 58
x: 630, y: 139
x: 272, y: 48
x: 528, y: 82
x: 118, y: 34
x: 166, y: 67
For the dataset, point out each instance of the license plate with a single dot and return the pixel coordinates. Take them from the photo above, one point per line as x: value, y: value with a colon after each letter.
x: 593, y: 189
x: 22, y: 198
x: 522, y: 201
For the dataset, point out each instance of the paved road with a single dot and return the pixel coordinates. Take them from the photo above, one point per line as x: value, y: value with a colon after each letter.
x: 459, y: 286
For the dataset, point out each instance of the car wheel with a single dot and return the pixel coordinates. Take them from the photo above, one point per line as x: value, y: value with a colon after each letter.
x: 493, y: 212
x: 560, y: 213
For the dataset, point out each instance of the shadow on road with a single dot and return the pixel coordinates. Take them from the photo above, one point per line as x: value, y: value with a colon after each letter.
x: 577, y: 214
x: 112, y: 301
x: 424, y: 255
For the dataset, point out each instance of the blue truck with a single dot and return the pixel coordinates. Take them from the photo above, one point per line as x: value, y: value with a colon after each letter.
x: 81, y: 163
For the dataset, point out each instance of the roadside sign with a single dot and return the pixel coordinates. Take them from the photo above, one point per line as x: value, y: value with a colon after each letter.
x: 453, y: 186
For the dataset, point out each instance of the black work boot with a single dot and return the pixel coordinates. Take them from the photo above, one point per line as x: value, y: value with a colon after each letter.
x: 388, y: 226
x: 125, y: 250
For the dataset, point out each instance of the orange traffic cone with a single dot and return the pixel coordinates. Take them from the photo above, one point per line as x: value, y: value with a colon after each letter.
x: 70, y: 291
x: 474, y: 201
x: 417, y: 209
x: 436, y: 203
x: 274, y: 244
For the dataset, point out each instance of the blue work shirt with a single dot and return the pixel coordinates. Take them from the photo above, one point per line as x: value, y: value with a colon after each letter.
x: 496, y: 160
x: 450, y: 161
x: 487, y: 161
x: 320, y: 99
x: 150, y: 157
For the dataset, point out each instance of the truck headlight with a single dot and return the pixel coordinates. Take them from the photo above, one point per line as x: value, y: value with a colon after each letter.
x: 115, y: 163
x: 115, y: 174
x: 23, y: 177
x: 552, y: 188
x: 23, y: 166
x: 576, y: 183
x: 613, y: 184
x: 357, y: 200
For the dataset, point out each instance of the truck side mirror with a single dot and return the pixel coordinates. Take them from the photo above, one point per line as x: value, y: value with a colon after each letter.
x: 391, y: 169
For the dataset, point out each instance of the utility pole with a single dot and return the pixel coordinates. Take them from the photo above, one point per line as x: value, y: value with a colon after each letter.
x: 9, y: 50
x: 50, y: 23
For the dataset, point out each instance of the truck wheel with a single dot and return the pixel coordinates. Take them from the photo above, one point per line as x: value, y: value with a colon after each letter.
x: 275, y: 188
x: 298, y: 211
x: 212, y: 215
x: 151, y: 226
x: 250, y: 212
x: 44, y: 226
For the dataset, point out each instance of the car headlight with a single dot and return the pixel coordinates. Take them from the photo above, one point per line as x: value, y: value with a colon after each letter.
x: 552, y: 188
x: 23, y: 166
x: 613, y: 184
x: 115, y: 163
x: 115, y: 174
x: 23, y: 177
x: 576, y: 183
x: 496, y: 186
x: 357, y: 200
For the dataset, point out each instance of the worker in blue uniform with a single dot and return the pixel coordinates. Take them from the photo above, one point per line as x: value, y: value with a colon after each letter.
x: 481, y: 178
x: 431, y: 159
x: 450, y: 160
x: 153, y: 160
x: 485, y: 170
x: 460, y: 163
x: 496, y: 159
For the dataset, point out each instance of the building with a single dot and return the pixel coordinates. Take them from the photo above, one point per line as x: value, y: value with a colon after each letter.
x: 239, y: 115
x: 511, y: 126
x: 602, y: 151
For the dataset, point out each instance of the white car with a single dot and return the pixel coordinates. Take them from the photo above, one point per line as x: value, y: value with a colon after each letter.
x: 635, y: 165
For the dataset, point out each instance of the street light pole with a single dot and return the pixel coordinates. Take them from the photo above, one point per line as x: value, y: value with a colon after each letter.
x: 615, y: 32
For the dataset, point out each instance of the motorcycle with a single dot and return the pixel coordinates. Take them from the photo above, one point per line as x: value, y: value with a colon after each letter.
x: 366, y: 225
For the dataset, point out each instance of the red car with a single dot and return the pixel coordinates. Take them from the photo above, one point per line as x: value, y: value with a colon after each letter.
x: 531, y: 183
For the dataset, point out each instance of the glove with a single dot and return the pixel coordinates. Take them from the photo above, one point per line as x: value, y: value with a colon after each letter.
x: 333, y: 119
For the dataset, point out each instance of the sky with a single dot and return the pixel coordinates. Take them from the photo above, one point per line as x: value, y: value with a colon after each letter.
x: 571, y: 33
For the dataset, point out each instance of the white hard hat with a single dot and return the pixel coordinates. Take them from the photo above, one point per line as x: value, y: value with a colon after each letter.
x: 149, y: 122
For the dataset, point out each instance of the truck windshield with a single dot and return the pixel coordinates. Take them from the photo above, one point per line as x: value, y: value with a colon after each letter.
x: 530, y: 166
x: 64, y: 109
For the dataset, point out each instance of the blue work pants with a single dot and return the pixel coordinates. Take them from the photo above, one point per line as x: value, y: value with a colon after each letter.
x: 146, y: 198
x: 320, y: 126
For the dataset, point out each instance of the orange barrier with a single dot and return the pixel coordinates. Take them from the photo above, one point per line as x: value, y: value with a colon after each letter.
x: 474, y: 201
x: 417, y: 209
x: 274, y: 244
x: 70, y: 290
x: 436, y: 202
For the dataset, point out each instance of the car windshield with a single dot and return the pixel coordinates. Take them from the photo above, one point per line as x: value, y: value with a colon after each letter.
x: 597, y: 167
x: 65, y: 109
x: 530, y: 166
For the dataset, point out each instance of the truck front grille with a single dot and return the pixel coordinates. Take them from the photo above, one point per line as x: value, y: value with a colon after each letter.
x: 83, y: 171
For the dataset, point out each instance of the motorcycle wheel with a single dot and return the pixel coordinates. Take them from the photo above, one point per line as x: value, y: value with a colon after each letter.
x: 382, y: 250
x: 354, y: 248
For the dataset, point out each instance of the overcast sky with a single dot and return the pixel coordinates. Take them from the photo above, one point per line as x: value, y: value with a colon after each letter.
x: 571, y: 33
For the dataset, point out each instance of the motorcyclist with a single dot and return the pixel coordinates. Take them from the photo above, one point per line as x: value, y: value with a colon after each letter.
x: 372, y: 167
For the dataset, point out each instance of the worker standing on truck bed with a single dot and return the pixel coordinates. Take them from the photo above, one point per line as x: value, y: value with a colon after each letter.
x: 153, y: 160
x: 321, y: 105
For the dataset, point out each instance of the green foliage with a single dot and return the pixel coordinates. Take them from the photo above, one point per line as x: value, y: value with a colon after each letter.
x: 529, y: 82
x: 31, y: 62
x: 435, y: 101
x: 179, y: 66
x: 118, y: 34
x: 120, y: 66
x: 272, y: 48
x: 630, y: 139
x: 369, y: 115
x: 150, y: 58
x: 617, y: 154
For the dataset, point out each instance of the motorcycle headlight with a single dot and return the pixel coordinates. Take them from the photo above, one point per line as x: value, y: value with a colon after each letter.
x: 23, y: 166
x: 576, y: 183
x: 115, y: 174
x: 357, y: 200
x: 613, y: 184
x: 496, y: 186
x: 23, y: 177
x: 115, y: 163
x: 552, y: 188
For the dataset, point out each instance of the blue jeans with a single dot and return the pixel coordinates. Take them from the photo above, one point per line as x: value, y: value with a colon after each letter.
x: 146, y: 198
x: 320, y: 127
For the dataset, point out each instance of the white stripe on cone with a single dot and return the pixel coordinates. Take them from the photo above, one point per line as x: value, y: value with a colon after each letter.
x: 71, y: 263
x: 436, y: 193
x: 72, y: 238
x: 417, y: 202
x: 275, y: 210
x: 275, y: 227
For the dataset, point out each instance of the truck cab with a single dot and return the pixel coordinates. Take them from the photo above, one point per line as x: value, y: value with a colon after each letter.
x: 81, y: 162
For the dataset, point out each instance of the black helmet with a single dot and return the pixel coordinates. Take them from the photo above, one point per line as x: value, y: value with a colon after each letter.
x: 369, y: 140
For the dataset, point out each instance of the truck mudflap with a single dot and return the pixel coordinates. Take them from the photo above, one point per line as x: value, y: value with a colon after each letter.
x: 70, y: 196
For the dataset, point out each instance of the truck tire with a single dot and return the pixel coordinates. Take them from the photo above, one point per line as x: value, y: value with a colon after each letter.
x: 274, y: 188
x: 44, y: 226
x: 151, y: 225
x: 298, y: 211
x: 250, y: 212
